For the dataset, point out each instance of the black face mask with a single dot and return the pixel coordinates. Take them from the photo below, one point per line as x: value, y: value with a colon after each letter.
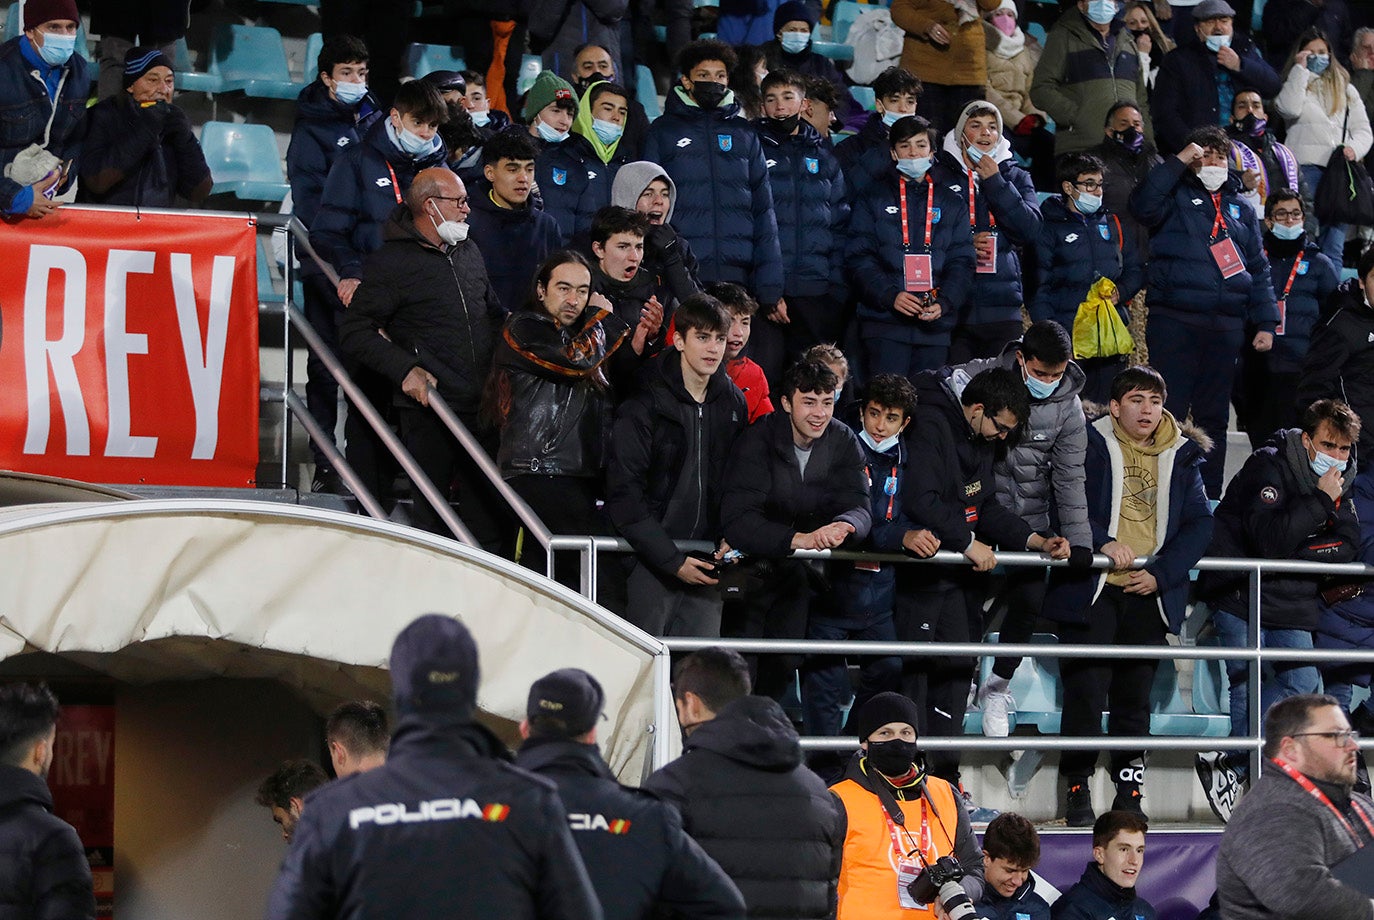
x: 709, y: 95
x: 785, y: 125
x: 582, y: 84
x: 892, y: 758
x: 1131, y: 139
x: 1252, y: 125
x: 1139, y: 32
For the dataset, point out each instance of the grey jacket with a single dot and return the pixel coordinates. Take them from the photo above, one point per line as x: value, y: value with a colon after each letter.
x: 1044, y: 469
x: 1276, y: 856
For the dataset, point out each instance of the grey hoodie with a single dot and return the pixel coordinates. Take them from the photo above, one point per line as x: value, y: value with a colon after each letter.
x: 633, y: 178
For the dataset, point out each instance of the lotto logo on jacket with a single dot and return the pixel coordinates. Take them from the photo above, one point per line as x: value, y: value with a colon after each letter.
x: 585, y: 822
x: 432, y: 810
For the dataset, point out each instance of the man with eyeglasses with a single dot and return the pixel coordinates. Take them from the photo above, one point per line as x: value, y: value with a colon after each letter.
x: 1300, y: 819
x: 427, y: 289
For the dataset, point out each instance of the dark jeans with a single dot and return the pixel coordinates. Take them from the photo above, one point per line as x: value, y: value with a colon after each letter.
x: 943, y: 611
x: 884, y: 356
x: 982, y: 340
x: 322, y: 309
x: 1199, y: 365
x: 1120, y: 686
x: 777, y: 609
x: 825, y: 678
x: 663, y: 605
x: 454, y: 474
x: 567, y: 506
x: 776, y: 346
x: 1022, y: 597
x: 364, y: 449
x: 1266, y: 401
x: 1100, y: 372
x: 942, y: 104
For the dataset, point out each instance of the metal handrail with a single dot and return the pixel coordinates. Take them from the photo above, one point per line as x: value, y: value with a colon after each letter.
x: 336, y: 458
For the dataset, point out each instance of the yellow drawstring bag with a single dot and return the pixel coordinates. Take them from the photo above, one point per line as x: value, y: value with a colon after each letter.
x: 1098, y: 330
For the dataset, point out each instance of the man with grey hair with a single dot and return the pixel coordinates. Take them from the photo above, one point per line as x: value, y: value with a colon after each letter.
x: 1298, y: 821
x: 44, y: 872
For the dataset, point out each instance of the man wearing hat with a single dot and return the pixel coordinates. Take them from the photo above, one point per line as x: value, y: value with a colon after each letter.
x: 635, y: 850
x: 921, y: 820
x: 447, y: 828
x: 44, y: 84
x: 140, y: 149
x: 571, y: 177
x: 790, y: 49
x: 1198, y: 81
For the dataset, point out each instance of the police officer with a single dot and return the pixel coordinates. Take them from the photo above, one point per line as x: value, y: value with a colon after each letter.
x: 633, y: 845
x: 446, y: 828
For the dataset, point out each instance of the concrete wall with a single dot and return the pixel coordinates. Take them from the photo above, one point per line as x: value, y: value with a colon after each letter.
x: 189, y: 839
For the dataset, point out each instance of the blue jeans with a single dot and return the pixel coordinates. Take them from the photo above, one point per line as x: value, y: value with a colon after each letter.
x: 1279, y: 679
x: 1331, y: 239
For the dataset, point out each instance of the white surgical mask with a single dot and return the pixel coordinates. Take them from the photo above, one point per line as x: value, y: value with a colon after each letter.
x: 1285, y: 232
x: 350, y: 93
x: 883, y: 446
x: 794, y: 42
x: 1087, y: 204
x: 608, y: 131
x: 1101, y: 11
x: 480, y: 117
x: 1212, y: 177
x: 1323, y: 462
x: 451, y: 232
x: 890, y: 117
x: 1216, y: 42
x: 551, y: 135
x: 914, y: 167
x: 411, y: 143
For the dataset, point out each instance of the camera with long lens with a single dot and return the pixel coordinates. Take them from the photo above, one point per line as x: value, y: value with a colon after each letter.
x: 931, y: 884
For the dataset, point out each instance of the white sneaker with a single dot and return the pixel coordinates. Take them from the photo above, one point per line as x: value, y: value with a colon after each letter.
x: 997, y: 703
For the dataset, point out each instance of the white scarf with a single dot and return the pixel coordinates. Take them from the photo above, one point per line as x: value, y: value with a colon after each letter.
x: 1009, y: 46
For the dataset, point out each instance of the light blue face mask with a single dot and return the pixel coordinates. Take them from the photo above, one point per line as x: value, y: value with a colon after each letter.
x: 1317, y: 63
x: 1087, y: 204
x: 1039, y: 389
x: 413, y: 144
x: 1216, y: 42
x: 890, y: 117
x: 609, y: 132
x: 795, y: 42
x: 883, y: 446
x: 1285, y: 232
x: 1101, y: 11
x: 974, y: 154
x: 1323, y: 462
x: 480, y: 117
x: 914, y: 167
x: 57, y: 49
x: 549, y: 134
x: 350, y: 93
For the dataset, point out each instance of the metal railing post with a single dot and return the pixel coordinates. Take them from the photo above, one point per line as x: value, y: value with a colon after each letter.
x: 588, y: 569
x: 665, y: 713
x: 336, y: 457
x: 1254, y: 715
x: 287, y: 376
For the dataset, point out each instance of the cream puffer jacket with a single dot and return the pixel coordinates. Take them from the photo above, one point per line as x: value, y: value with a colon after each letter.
x: 1313, y: 130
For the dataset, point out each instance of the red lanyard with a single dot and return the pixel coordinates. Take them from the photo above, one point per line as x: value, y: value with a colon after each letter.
x: 1320, y: 796
x: 1216, y: 222
x: 972, y: 212
x: 924, y: 844
x: 930, y: 195
x: 890, y: 495
x: 1291, y: 275
x: 395, y: 186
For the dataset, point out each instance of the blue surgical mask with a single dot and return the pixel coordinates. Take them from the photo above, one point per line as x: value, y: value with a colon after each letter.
x: 411, y: 143
x: 1216, y: 42
x: 914, y: 167
x: 795, y: 42
x: 1039, y: 389
x: 57, y: 49
x: 1317, y: 63
x: 883, y: 446
x: 890, y: 117
x: 1101, y: 11
x: 480, y: 117
x: 974, y: 154
x: 1087, y: 204
x: 549, y: 134
x: 350, y: 93
x: 608, y: 131
x: 1285, y: 232
x: 1323, y: 462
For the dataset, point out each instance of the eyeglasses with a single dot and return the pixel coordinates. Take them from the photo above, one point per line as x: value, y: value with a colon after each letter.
x: 462, y: 202
x: 1091, y: 185
x: 1001, y: 429
x: 1287, y: 215
x: 1342, y: 739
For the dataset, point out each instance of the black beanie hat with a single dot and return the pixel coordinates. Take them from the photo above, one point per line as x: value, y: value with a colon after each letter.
x: 138, y: 61
x: 792, y: 11
x: 882, y: 709
x: 434, y: 668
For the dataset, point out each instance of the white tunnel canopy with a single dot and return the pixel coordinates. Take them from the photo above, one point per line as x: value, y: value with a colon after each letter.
x: 156, y: 590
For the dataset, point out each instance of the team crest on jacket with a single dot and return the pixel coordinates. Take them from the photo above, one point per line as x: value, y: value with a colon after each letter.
x: 725, y: 142
x: 1269, y: 495
x: 934, y: 215
x: 1105, y: 231
x: 813, y: 165
x: 1235, y: 211
x: 560, y: 177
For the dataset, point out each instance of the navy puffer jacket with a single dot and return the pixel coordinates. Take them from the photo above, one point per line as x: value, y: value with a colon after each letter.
x: 324, y: 129
x: 874, y: 256
x: 856, y: 156
x: 573, y: 182
x: 1184, y: 280
x: 809, y: 200
x: 27, y: 106
x: 363, y: 188
x: 1006, y: 205
x: 1350, y: 624
x: 724, y: 206
x: 1074, y: 250
x: 1314, y: 280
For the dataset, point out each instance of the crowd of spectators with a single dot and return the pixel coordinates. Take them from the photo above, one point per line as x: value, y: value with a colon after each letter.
x: 741, y: 323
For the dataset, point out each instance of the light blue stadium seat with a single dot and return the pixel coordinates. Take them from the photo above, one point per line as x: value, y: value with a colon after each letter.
x: 422, y: 59
x: 83, y: 45
x: 1257, y: 16
x: 834, y: 50
x: 311, y: 68
x: 531, y: 65
x: 267, y: 291
x: 190, y: 79
x: 1210, y: 695
x: 1171, y: 714
x: 1036, y: 686
x: 244, y: 160
x: 865, y: 97
x: 842, y: 17
x: 1036, y: 31
x: 252, y: 59
x: 646, y: 92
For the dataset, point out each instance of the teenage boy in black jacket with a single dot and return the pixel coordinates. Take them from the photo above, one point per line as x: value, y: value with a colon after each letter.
x: 948, y: 493
x: 795, y: 481
x: 618, y: 272
x: 668, y: 455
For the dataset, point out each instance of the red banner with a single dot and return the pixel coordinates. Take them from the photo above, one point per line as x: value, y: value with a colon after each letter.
x: 82, y: 784
x: 129, y: 347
